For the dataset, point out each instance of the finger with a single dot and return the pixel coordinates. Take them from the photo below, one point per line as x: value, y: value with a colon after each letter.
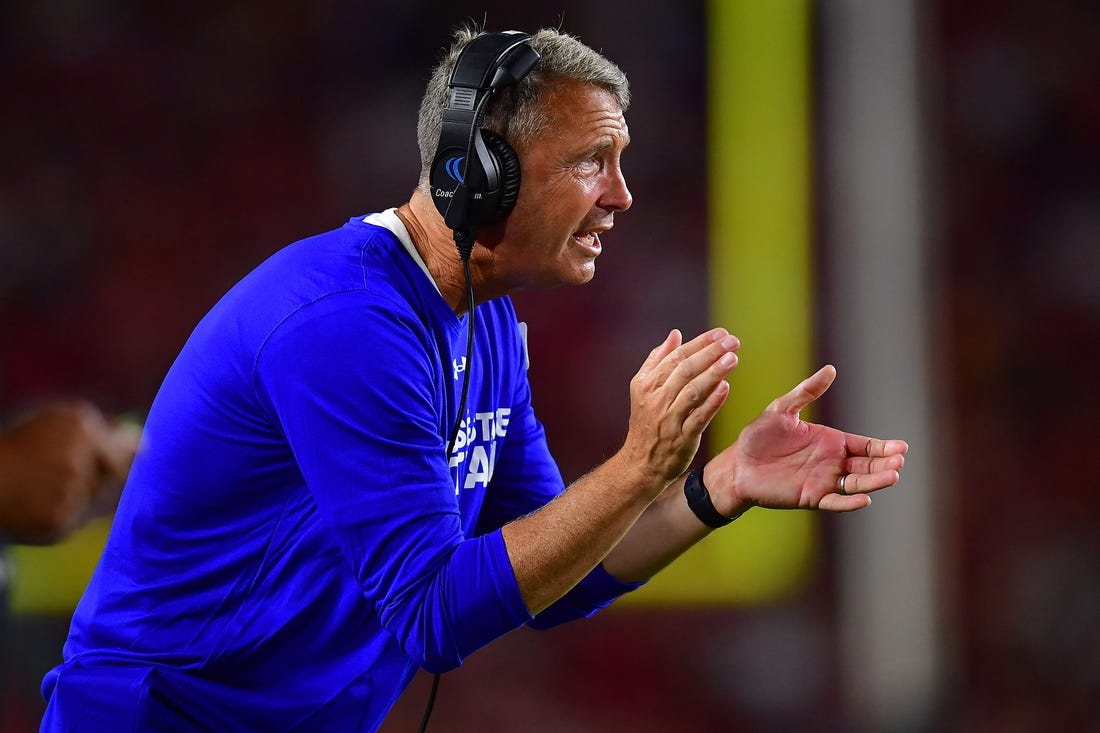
x: 717, y: 356
x: 87, y: 413
x: 126, y: 440
x: 808, y: 390
x: 699, y: 418
x: 841, y: 503
x: 87, y: 426
x: 674, y: 358
x: 862, y: 483
x: 860, y: 445
x: 697, y: 375
x: 117, y: 449
x: 863, y: 464
x: 673, y: 340
x: 699, y: 388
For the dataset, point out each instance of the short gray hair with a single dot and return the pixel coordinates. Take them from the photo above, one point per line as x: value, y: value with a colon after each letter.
x: 516, y: 113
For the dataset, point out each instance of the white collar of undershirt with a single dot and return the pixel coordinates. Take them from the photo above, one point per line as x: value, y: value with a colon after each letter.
x: 389, y: 219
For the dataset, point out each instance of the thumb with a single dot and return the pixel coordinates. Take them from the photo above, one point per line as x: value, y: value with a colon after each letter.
x: 807, y: 391
x: 118, y: 448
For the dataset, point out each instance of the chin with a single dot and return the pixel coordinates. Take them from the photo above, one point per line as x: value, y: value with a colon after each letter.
x: 582, y: 275
x: 577, y: 273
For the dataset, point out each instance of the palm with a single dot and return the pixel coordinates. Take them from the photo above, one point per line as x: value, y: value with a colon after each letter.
x: 791, y: 463
x: 783, y: 462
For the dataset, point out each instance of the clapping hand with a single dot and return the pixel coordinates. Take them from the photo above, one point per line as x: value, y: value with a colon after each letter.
x: 780, y: 461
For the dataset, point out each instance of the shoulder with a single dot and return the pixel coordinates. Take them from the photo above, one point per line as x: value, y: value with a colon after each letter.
x: 353, y: 257
x: 359, y: 320
x: 355, y: 267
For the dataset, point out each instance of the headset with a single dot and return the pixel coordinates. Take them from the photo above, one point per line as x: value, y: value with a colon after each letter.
x: 475, y: 173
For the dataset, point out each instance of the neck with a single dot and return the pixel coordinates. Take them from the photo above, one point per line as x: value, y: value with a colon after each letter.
x: 436, y: 245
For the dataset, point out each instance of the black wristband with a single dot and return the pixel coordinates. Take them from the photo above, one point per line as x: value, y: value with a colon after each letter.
x: 698, y: 499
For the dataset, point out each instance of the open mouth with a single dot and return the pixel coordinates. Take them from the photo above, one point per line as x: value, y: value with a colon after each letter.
x: 589, y: 241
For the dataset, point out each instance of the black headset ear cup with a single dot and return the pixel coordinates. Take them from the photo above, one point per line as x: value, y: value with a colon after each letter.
x: 509, y: 172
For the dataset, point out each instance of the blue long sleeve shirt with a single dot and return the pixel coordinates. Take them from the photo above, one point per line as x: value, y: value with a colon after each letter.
x: 293, y: 541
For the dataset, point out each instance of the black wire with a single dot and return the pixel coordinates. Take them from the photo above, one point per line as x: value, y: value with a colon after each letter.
x: 454, y: 433
x: 431, y: 704
x: 469, y: 355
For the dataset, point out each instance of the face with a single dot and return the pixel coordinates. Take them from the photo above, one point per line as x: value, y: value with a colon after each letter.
x: 571, y: 186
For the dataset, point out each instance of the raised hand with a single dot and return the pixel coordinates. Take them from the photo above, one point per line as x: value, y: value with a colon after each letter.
x: 673, y: 398
x: 780, y: 461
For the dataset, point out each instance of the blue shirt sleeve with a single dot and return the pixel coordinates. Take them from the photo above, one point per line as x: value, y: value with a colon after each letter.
x: 360, y: 407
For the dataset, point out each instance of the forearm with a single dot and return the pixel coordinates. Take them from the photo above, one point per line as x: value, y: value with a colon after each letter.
x: 662, y: 533
x: 553, y: 548
x: 666, y: 530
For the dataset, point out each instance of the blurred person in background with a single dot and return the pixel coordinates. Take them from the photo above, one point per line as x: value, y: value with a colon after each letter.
x: 337, y: 490
x: 59, y: 467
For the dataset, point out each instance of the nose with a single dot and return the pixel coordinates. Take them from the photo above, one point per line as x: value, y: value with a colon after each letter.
x: 617, y: 196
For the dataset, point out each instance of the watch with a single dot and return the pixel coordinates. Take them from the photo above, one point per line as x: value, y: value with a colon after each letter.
x: 698, y: 499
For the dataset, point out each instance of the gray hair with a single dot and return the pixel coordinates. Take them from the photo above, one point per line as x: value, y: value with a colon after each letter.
x: 516, y: 113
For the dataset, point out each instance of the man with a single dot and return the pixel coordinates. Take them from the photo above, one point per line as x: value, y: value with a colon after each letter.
x: 336, y: 490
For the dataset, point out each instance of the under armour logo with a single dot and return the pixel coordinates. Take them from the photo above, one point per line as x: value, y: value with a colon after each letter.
x: 460, y: 366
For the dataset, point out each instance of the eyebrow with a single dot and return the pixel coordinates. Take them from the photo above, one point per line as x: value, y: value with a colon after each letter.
x: 601, y: 147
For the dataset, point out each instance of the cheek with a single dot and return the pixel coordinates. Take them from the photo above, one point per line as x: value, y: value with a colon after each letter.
x: 569, y: 191
x: 551, y: 211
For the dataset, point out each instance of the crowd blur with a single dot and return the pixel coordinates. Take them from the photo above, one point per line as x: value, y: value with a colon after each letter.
x: 1017, y: 119
x: 152, y: 154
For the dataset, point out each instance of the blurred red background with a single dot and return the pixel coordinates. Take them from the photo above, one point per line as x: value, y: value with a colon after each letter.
x: 153, y: 155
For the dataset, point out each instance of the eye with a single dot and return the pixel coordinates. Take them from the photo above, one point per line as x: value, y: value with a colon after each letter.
x: 591, y: 164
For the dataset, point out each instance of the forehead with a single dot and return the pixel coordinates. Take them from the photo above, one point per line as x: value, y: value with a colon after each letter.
x: 577, y: 112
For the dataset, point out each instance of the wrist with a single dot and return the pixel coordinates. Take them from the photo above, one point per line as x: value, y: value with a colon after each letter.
x: 720, y: 478
x: 634, y: 478
x: 646, y: 466
x: 702, y: 502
